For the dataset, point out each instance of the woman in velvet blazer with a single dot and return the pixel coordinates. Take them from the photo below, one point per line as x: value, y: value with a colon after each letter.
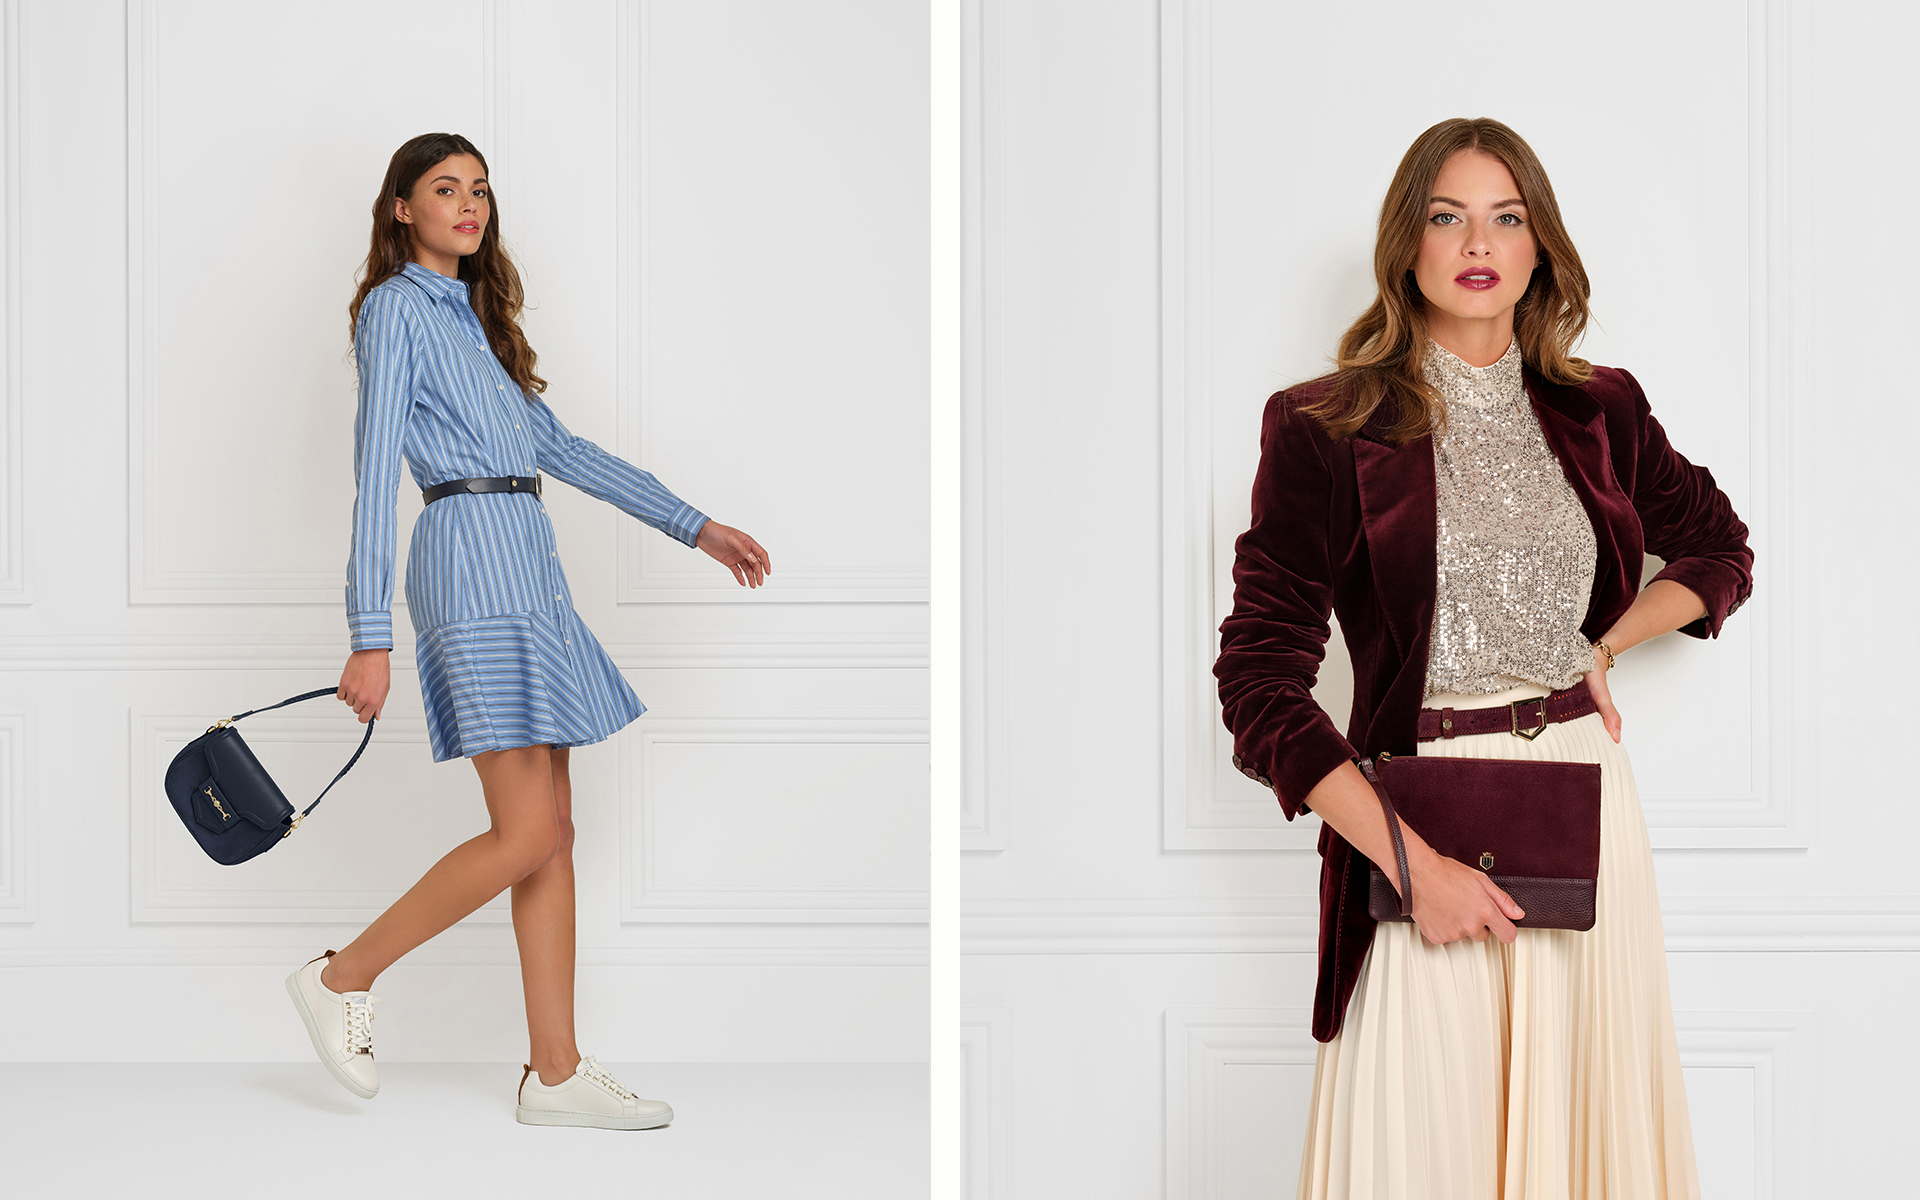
x: 1347, y: 527
x: 1529, y: 1061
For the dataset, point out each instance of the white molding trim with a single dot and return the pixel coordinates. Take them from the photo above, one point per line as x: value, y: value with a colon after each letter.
x: 642, y: 577
x: 14, y: 423
x: 1290, y: 924
x: 498, y: 124
x: 154, y: 898
x: 794, y: 953
x: 1200, y: 1042
x: 638, y: 652
x: 985, y: 814
x: 986, y: 1102
x: 149, y: 579
x: 1779, y: 123
x: 19, y: 844
x: 1774, y: 1046
x: 642, y: 901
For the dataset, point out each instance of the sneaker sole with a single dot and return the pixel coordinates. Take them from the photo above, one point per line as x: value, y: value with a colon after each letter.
x: 313, y: 1032
x: 547, y: 1116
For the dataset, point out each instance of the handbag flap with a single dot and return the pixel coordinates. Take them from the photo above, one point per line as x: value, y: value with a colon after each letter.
x: 243, y: 781
x: 1533, y: 818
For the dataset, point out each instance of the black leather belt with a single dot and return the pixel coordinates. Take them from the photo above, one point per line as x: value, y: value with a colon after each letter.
x: 507, y: 483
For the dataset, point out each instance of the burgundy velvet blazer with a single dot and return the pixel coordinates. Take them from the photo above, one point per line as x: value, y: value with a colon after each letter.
x: 1349, y: 527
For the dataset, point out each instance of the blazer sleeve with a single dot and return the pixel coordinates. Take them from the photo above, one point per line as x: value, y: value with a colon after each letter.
x: 384, y: 343
x: 1689, y: 522
x: 577, y: 461
x: 1273, y: 642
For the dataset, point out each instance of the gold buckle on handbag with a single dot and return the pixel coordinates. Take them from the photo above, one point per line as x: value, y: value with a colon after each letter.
x: 1513, y: 711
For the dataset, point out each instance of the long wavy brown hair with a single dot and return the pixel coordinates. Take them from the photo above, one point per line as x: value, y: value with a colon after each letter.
x: 493, y: 283
x: 1378, y: 366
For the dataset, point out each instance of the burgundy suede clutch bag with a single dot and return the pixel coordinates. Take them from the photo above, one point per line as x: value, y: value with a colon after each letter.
x: 1533, y: 826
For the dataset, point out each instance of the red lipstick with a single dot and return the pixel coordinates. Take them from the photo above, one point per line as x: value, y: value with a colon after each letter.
x: 1478, y: 279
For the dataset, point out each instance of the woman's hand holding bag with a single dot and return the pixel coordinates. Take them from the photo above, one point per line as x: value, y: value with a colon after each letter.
x: 364, y: 683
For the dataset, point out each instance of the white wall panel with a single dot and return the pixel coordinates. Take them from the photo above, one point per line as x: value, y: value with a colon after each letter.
x: 1254, y: 302
x: 239, y: 398
x: 766, y: 354
x: 986, y: 1103
x: 743, y: 819
x: 18, y: 821
x: 1239, y: 1082
x: 13, y: 433
x: 390, y: 819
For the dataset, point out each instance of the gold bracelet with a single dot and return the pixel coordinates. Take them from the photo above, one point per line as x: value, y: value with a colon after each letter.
x: 1608, y: 651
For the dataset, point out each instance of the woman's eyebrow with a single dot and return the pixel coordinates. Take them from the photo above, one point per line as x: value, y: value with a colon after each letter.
x: 449, y: 179
x: 1458, y: 204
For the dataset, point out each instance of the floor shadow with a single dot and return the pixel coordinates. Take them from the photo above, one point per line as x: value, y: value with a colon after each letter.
x: 317, y: 1094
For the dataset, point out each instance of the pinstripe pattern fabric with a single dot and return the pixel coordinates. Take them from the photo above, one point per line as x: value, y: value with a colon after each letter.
x: 504, y: 660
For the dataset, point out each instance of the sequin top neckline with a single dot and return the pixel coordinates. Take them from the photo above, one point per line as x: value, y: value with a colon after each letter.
x: 1515, y: 551
x: 1460, y: 382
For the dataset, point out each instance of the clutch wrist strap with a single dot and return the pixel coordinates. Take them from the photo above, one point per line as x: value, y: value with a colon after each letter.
x: 1393, y: 830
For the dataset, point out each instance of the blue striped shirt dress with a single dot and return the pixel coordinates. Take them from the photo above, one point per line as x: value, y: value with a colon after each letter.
x: 504, y: 660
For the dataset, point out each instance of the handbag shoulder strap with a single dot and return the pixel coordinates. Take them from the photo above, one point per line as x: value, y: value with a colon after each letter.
x: 1393, y: 828
x: 314, y: 695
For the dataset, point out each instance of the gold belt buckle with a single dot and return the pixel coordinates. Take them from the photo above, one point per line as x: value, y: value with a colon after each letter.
x: 1513, y: 712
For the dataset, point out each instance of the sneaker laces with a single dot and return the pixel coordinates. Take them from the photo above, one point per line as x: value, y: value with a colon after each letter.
x: 600, y: 1075
x: 359, y: 1011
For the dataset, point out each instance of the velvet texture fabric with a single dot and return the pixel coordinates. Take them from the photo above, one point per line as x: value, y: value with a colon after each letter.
x: 1350, y: 528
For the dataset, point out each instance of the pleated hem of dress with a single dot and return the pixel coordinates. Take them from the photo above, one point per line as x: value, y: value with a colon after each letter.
x: 522, y: 679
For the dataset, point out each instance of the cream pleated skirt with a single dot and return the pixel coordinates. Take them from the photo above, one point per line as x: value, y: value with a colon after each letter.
x: 1543, y: 1070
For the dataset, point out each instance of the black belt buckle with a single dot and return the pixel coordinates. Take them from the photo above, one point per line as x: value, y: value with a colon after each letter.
x: 1513, y: 713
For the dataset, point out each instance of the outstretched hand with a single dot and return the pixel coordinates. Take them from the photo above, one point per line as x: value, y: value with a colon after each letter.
x: 737, y: 552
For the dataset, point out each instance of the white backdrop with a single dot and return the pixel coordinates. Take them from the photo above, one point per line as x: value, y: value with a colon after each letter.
x: 1170, y: 210
x: 719, y: 210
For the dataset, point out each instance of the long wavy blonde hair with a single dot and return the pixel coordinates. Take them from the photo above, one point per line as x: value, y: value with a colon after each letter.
x: 1378, y: 366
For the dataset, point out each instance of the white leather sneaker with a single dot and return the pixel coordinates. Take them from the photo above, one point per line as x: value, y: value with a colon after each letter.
x: 591, y: 1096
x: 341, y: 1026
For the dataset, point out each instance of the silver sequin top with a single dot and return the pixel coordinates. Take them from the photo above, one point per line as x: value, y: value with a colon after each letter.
x: 1516, y: 550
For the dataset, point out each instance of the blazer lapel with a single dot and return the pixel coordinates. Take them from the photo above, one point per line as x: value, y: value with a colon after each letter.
x: 1575, y: 427
x: 1398, y: 513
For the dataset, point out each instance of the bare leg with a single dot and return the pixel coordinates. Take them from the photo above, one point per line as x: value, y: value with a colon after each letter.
x: 519, y: 788
x: 543, y: 926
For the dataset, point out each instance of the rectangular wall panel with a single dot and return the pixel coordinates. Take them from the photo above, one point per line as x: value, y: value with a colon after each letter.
x: 773, y: 358
x: 370, y: 839
x: 19, y: 858
x: 241, y: 391
x: 1254, y: 302
x: 750, y: 820
x: 1240, y: 1081
x: 13, y: 425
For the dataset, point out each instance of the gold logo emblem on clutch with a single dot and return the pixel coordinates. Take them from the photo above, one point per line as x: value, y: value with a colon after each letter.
x: 224, y: 814
x: 1486, y: 860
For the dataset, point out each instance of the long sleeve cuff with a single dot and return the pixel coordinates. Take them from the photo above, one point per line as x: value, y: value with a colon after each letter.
x: 1720, y: 587
x: 685, y: 524
x: 371, y: 630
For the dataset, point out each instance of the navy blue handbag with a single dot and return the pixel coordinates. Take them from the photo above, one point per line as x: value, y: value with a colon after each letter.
x: 225, y: 797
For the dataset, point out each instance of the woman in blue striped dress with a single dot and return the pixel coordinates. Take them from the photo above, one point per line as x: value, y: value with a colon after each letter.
x: 510, y: 677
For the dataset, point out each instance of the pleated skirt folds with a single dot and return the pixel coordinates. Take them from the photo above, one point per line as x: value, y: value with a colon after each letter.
x: 1542, y: 1070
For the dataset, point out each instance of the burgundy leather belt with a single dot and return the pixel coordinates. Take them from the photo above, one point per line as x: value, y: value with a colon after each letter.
x: 1521, y: 718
